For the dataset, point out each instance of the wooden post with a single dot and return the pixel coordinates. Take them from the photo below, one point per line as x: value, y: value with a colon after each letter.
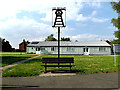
x: 70, y: 67
x: 45, y: 67
x: 58, y: 44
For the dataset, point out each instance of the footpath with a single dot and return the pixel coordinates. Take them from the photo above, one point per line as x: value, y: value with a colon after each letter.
x: 16, y: 63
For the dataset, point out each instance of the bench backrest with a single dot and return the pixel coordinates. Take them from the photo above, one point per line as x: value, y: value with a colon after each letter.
x: 55, y: 60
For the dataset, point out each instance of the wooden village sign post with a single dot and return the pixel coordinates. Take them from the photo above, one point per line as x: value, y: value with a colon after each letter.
x: 59, y: 17
x: 57, y: 13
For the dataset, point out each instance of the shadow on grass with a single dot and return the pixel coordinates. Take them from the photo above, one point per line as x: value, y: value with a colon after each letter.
x: 6, y: 60
x: 11, y: 59
x: 18, y: 86
x: 66, y: 71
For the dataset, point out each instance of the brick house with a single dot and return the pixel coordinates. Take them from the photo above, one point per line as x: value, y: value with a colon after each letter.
x: 108, y: 42
x: 23, y: 45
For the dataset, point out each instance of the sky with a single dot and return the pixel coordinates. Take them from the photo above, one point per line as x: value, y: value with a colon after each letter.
x: 86, y: 20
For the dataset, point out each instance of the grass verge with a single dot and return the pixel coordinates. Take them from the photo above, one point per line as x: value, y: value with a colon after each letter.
x: 83, y: 65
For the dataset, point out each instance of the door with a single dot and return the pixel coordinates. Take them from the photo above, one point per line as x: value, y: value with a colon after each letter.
x: 37, y: 50
x: 85, y: 51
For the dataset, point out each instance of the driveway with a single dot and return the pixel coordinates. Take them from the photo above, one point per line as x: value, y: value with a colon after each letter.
x: 104, y: 80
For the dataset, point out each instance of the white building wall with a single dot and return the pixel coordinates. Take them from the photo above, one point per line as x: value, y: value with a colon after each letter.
x: 73, y: 50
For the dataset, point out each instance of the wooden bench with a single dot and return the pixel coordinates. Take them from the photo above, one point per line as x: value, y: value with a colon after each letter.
x: 55, y: 60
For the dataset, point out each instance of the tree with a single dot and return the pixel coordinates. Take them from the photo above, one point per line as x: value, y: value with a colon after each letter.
x: 116, y: 21
x: 6, y: 47
x: 51, y: 38
x: 65, y: 39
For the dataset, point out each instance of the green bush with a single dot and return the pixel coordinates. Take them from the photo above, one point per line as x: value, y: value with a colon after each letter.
x: 19, y: 50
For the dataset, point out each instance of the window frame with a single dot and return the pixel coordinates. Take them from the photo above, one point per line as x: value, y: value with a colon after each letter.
x: 102, y: 49
x: 52, y: 48
x: 70, y: 49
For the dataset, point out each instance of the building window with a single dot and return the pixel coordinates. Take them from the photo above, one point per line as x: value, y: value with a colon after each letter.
x: 102, y: 49
x: 42, y: 48
x: 52, y: 49
x: 32, y: 47
x: 38, y: 49
x: 85, y: 49
x: 70, y: 49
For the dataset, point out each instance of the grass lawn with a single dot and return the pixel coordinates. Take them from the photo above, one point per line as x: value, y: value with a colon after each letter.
x: 83, y: 65
x: 13, y: 52
x: 11, y: 58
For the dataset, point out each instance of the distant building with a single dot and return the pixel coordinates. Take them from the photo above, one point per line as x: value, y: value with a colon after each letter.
x: 23, y: 45
x: 108, y: 42
x: 68, y: 47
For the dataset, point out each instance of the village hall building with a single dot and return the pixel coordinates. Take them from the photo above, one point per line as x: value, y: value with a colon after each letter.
x: 69, y: 47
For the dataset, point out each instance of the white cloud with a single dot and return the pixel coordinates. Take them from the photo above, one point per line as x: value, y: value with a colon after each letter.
x: 80, y: 17
x: 111, y: 28
x: 12, y: 7
x: 72, y: 8
x: 9, y: 8
x: 38, y: 39
x: 15, y: 30
x: 81, y: 24
x: 91, y: 17
x: 91, y: 37
x: 100, y: 20
x: 93, y: 13
x: 94, y: 4
x: 48, y: 16
x: 96, y: 1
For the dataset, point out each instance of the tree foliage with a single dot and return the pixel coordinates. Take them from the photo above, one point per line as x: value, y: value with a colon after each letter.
x: 65, y: 39
x: 51, y: 38
x: 116, y: 21
x: 6, y: 47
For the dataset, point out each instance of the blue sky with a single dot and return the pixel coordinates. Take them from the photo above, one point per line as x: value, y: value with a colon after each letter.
x: 31, y: 20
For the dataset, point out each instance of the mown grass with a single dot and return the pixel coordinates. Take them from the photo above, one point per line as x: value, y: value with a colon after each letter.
x: 11, y: 58
x: 83, y: 65
x: 13, y: 52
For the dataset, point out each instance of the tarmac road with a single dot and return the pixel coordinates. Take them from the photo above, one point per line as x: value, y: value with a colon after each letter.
x: 104, y: 80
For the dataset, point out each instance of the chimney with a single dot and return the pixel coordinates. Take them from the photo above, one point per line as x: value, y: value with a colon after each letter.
x: 108, y: 42
x: 23, y: 40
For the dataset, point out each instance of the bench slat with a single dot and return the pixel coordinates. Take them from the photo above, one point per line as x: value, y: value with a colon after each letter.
x: 55, y: 60
x: 57, y: 65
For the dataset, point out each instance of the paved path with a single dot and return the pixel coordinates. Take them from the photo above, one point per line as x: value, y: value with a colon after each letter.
x: 105, y: 80
x: 16, y: 63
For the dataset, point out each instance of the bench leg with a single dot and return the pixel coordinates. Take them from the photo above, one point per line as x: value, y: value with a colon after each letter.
x: 45, y: 69
x: 70, y: 68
